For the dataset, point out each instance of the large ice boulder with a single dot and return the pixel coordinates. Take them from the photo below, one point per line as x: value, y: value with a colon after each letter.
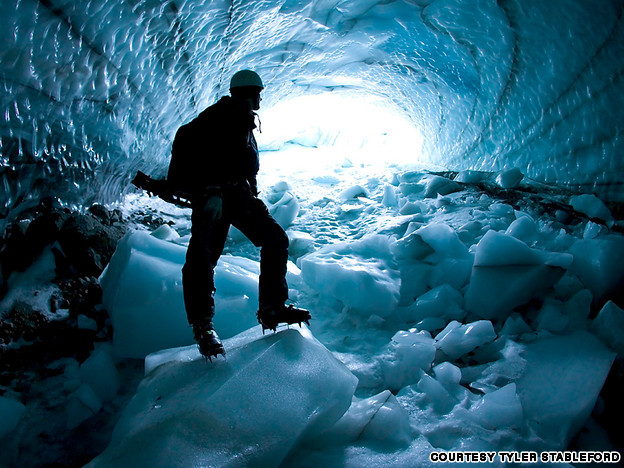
x: 523, y: 228
x: 380, y: 420
x: 507, y: 273
x: 591, y: 206
x: 410, y: 352
x: 437, y: 185
x: 457, y: 339
x: 100, y: 372
x: 254, y: 408
x: 97, y: 381
x: 609, y: 325
x: 471, y: 177
x: 282, y: 204
x: 142, y: 291
x: 360, y: 274
x: 499, y: 409
x: 598, y: 264
x: 430, y: 256
x: 442, y: 301
x: 563, y: 378
x: 510, y: 178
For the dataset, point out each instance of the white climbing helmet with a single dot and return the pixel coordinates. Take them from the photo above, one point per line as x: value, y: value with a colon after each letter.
x: 246, y: 78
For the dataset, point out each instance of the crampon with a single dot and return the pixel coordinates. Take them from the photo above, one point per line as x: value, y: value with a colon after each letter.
x: 270, y: 317
x: 209, y: 343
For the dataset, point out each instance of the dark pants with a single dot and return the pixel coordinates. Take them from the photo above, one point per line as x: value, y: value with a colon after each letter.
x: 208, y: 236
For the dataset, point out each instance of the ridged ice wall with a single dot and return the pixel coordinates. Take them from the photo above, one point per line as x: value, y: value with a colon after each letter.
x: 94, y: 89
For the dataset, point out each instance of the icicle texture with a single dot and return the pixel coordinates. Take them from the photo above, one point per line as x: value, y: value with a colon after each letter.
x: 93, y: 90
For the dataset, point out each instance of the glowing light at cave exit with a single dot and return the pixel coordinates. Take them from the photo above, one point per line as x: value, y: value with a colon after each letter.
x: 312, y: 133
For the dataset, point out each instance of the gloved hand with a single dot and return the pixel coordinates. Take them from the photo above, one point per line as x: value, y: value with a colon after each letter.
x: 213, y: 207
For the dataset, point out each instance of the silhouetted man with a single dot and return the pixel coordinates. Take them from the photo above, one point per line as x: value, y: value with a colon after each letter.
x: 215, y: 160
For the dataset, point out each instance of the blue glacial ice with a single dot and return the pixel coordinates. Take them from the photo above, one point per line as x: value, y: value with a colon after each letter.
x: 444, y: 318
x: 92, y: 92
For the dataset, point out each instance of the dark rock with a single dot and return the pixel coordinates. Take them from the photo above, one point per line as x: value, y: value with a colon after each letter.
x: 83, y: 297
x: 15, y: 254
x: 44, y: 230
x: 151, y: 220
x: 87, y: 240
x: 22, y: 321
x: 101, y: 213
x: 57, y: 301
x: 25, y: 239
x: 24, y: 365
x: 88, y: 244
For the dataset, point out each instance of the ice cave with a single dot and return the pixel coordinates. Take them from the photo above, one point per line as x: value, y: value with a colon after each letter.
x: 450, y: 177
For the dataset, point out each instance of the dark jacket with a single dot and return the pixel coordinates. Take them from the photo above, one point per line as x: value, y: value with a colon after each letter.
x: 216, y: 149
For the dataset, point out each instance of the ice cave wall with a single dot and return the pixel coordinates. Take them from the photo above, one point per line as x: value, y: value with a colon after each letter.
x: 94, y: 89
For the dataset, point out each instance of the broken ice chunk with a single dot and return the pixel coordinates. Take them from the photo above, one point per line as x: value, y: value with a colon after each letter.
x: 442, y: 301
x: 510, y: 178
x: 563, y: 377
x: 551, y: 317
x: 456, y: 340
x: 496, y: 249
x: 508, y: 367
x: 592, y: 230
x: 380, y: 418
x: 592, y: 206
x: 609, y: 325
x: 411, y: 246
x: 431, y: 324
x: 443, y: 239
x: 389, y: 196
x: 142, y: 284
x: 499, y: 409
x: 272, y: 393
x: 86, y: 323
x: 436, y: 395
x: 598, y: 264
x: 165, y: 232
x: 515, y: 325
x: 411, y: 352
x: 83, y: 404
x: 353, y: 192
x: 360, y: 274
x: 448, y: 375
x: 437, y: 185
x: 471, y: 177
x: 299, y: 243
x: 100, y: 373
x: 508, y: 273
x: 390, y: 424
x: 285, y: 209
x: 410, y: 208
x: 523, y: 228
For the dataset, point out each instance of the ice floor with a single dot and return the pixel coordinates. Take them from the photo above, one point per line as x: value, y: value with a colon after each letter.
x: 447, y: 315
x: 463, y: 311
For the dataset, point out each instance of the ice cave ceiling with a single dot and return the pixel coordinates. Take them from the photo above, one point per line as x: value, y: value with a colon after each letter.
x: 94, y: 89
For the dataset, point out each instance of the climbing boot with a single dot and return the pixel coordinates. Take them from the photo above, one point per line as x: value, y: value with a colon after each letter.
x: 208, y: 340
x: 271, y: 316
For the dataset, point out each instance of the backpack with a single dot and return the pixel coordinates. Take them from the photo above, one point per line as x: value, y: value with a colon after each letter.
x: 181, y: 175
